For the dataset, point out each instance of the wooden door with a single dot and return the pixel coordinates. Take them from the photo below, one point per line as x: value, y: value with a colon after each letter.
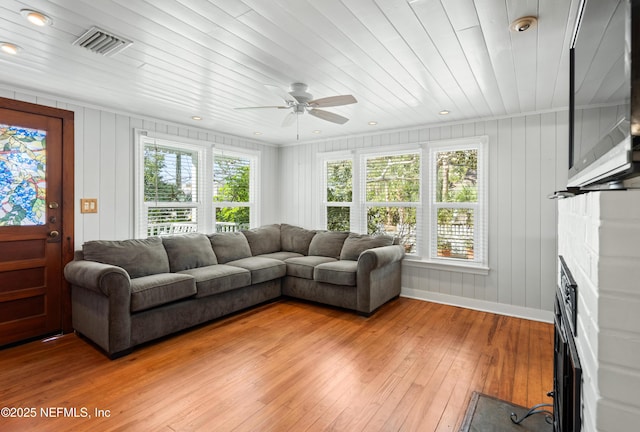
x: 35, y: 237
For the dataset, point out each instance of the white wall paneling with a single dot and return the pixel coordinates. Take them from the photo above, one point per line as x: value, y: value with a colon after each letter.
x: 526, y: 163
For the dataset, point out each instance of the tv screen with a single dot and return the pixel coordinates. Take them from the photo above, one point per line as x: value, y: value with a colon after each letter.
x: 601, y: 143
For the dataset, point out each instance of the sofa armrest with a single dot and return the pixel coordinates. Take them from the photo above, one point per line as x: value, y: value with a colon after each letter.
x: 98, y: 277
x: 378, y: 277
x: 101, y: 303
x: 379, y: 257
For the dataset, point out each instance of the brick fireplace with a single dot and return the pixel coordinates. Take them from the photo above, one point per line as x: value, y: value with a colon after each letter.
x: 599, y: 238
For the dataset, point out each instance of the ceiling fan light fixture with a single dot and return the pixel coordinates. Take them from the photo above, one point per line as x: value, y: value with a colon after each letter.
x: 10, y: 48
x: 523, y: 24
x: 36, y: 18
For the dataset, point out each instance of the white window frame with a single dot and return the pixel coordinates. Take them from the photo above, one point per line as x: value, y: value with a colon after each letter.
x: 326, y: 159
x: 253, y: 170
x: 426, y: 255
x: 481, y: 207
x: 363, y: 204
x: 204, y: 202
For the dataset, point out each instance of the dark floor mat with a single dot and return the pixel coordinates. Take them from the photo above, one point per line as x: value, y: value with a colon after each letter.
x: 488, y: 414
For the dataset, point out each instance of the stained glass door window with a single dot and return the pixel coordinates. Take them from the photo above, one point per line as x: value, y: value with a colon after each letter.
x: 23, y: 186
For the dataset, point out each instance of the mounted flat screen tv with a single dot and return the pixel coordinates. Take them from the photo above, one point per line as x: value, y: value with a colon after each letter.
x: 604, y: 137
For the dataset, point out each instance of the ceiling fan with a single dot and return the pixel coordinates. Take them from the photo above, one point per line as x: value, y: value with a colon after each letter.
x: 299, y: 101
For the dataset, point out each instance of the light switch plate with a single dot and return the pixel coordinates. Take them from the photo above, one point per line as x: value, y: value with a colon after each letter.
x: 89, y: 205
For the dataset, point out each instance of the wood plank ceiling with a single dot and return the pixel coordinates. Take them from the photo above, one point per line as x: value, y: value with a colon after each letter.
x: 403, y: 60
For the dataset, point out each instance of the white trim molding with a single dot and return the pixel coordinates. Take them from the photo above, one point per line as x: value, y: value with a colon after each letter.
x: 479, y: 305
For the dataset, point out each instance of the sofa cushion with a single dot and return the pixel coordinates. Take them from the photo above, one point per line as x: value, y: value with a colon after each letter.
x: 265, y: 239
x: 327, y: 243
x: 281, y: 255
x: 262, y: 269
x: 158, y: 289
x: 187, y: 251
x: 218, y: 278
x: 355, y: 244
x: 139, y: 257
x: 295, y: 239
x: 229, y: 246
x: 343, y: 272
x: 302, y: 267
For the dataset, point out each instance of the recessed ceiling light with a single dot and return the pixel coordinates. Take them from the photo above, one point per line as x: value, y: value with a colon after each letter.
x: 257, y: 133
x: 10, y: 48
x: 523, y: 24
x: 317, y: 131
x: 196, y: 118
x: 373, y: 123
x: 444, y: 112
x: 36, y: 18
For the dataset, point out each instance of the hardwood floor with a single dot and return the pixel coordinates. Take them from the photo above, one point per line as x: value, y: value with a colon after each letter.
x: 286, y: 366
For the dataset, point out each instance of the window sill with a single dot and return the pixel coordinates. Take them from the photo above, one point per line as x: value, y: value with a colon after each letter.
x: 460, y: 267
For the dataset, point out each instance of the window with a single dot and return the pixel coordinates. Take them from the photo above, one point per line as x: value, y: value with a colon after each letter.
x: 432, y: 199
x: 392, y: 196
x: 457, y: 201
x: 232, y: 191
x: 170, y: 188
x: 338, y: 194
x: 192, y: 186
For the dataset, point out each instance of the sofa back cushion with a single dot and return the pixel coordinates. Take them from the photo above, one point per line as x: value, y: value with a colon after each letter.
x: 263, y: 240
x: 187, y: 251
x: 295, y: 239
x: 230, y: 246
x: 327, y: 243
x: 355, y: 244
x: 139, y: 257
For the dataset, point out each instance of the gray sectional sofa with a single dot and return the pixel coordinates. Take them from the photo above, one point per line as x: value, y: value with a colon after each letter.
x: 128, y: 292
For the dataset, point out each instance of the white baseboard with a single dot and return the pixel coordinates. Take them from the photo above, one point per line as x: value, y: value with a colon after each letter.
x: 480, y: 305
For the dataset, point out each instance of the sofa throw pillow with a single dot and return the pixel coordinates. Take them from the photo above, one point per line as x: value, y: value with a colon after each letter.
x: 139, y: 257
x: 187, y: 251
x: 295, y: 239
x: 327, y: 243
x: 230, y: 246
x: 355, y: 244
x: 265, y: 239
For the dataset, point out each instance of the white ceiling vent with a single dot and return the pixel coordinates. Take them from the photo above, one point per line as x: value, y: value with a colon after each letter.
x: 102, y: 42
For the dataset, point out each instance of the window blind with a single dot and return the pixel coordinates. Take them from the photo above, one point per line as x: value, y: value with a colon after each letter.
x: 457, y: 228
x: 392, y: 196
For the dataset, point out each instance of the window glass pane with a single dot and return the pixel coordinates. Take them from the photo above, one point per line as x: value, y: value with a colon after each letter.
x: 166, y: 220
x: 170, y: 175
x: 399, y: 222
x: 339, y: 184
x: 232, y: 219
x: 455, y: 233
x: 393, y: 178
x: 22, y: 176
x: 457, y: 176
x: 338, y: 218
x: 231, y: 179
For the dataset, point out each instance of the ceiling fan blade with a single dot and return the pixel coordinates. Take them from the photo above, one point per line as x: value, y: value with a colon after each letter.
x: 332, y: 101
x: 289, y: 119
x: 261, y: 107
x: 328, y: 116
x: 283, y: 94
